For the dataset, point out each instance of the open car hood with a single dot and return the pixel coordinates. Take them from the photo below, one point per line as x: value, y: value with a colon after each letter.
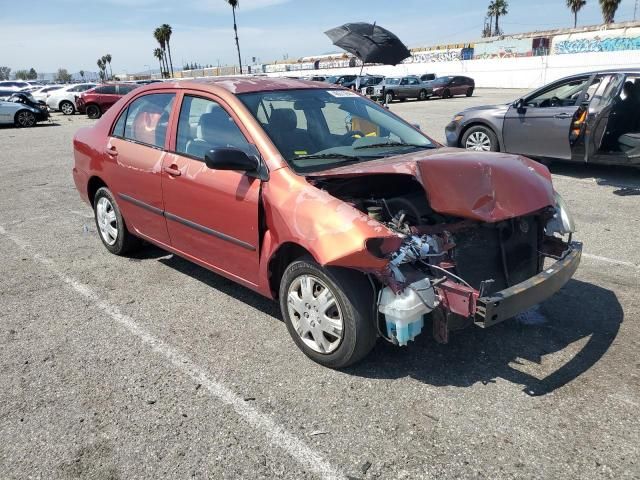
x: 487, y: 187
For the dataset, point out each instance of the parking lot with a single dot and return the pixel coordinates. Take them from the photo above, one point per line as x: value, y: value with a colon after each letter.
x: 153, y: 367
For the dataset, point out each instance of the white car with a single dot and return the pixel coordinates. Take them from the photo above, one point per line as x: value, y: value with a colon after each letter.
x: 42, y: 93
x: 64, y: 99
x: 15, y: 85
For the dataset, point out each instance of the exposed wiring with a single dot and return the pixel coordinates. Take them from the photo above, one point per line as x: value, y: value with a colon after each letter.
x: 376, y: 315
x: 446, y: 272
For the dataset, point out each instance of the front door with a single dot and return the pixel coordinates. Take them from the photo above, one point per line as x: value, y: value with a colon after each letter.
x: 212, y: 215
x: 541, y: 125
x: 136, y: 146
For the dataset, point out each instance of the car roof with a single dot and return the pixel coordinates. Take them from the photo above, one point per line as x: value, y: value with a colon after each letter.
x: 239, y: 85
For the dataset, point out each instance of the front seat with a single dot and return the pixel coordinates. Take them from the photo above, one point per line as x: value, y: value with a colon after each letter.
x: 216, y: 129
x: 289, y: 139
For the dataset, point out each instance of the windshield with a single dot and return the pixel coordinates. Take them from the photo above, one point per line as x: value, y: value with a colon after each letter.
x: 442, y: 80
x: 318, y: 129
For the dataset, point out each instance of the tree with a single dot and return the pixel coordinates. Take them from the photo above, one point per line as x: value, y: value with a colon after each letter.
x: 575, y: 6
x: 158, y: 54
x: 102, y: 67
x: 167, y: 31
x: 81, y: 72
x: 609, y: 8
x: 235, y: 4
x: 32, y: 75
x: 497, y: 9
x: 107, y: 59
x: 158, y: 33
x: 487, y: 29
x: 22, y: 75
x: 4, y: 73
x: 63, y: 76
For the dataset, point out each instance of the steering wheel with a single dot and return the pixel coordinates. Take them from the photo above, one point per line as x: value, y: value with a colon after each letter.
x: 555, y: 102
x: 352, y: 134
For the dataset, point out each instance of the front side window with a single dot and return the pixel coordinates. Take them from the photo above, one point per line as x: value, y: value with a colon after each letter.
x: 147, y: 119
x: 564, y: 94
x: 319, y: 129
x: 203, y: 126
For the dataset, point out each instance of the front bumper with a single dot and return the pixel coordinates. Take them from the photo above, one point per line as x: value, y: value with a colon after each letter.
x: 452, y: 134
x: 503, y: 305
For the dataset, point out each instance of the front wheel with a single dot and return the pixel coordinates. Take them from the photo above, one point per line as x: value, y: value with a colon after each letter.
x: 480, y: 139
x: 67, y: 107
x: 93, y: 111
x: 447, y: 94
x: 24, y: 119
x: 423, y: 95
x: 388, y: 98
x: 469, y: 92
x: 328, y: 312
x: 113, y: 231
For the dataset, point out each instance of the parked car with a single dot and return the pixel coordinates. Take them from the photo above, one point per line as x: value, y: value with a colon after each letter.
x: 450, y: 86
x: 360, y: 82
x: 22, y: 110
x: 44, y: 91
x: 15, y: 85
x: 64, y: 99
x: 400, y: 88
x: 95, y: 101
x: 341, y: 79
x: 427, y: 77
x: 354, y: 220
x: 6, y: 93
x: 591, y: 117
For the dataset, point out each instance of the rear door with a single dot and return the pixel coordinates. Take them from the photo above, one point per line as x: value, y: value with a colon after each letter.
x: 137, y: 149
x: 212, y: 215
x: 106, y: 96
x: 542, y: 126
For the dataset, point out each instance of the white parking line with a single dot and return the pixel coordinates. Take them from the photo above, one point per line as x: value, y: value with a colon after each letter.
x: 612, y: 261
x: 278, y: 436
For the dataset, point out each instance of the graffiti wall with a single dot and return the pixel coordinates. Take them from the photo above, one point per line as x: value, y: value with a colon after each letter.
x: 598, y: 41
x: 429, y: 56
x: 505, y: 48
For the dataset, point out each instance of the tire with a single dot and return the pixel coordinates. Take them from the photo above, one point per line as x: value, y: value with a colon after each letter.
x: 469, y: 92
x: 389, y: 97
x: 351, y: 308
x: 24, y: 119
x: 116, y: 239
x: 93, y: 111
x: 446, y: 94
x: 422, y: 96
x: 67, y: 108
x: 480, y: 138
x: 403, y: 99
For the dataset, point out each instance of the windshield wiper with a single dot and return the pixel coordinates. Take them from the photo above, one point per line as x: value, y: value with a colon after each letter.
x: 321, y: 156
x: 391, y: 144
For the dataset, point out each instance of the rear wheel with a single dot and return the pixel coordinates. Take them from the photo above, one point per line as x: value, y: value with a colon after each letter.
x: 93, y: 111
x: 480, y: 139
x: 24, y: 119
x: 67, y: 107
x: 113, y: 231
x: 328, y: 312
x: 469, y: 92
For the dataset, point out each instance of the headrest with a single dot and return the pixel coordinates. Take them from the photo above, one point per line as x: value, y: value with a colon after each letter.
x: 284, y: 119
x: 215, y: 121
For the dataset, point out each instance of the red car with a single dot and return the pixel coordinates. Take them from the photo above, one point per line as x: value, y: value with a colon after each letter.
x: 356, y: 222
x: 96, y: 101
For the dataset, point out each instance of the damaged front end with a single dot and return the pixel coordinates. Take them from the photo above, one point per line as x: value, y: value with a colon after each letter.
x: 456, y: 270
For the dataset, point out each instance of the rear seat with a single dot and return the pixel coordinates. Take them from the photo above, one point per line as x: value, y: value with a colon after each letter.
x: 629, y: 141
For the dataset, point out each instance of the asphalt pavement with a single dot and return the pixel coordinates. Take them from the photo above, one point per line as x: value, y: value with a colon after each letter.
x: 152, y: 367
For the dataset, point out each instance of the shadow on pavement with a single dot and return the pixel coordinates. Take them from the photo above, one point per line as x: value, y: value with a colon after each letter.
x: 579, y: 311
x: 608, y: 175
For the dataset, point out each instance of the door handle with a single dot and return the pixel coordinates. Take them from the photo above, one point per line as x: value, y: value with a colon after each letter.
x: 563, y: 115
x: 112, y: 151
x: 173, y: 170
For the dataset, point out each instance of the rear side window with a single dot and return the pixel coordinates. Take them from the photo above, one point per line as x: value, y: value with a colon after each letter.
x: 106, y: 90
x: 124, y: 89
x: 146, y: 120
x: 204, y: 125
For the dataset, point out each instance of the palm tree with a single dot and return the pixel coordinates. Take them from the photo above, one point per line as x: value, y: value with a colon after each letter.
x: 158, y: 54
x: 167, y: 31
x: 609, y: 8
x: 158, y: 33
x: 575, y: 6
x: 498, y: 8
x: 107, y: 57
x: 101, y: 66
x: 235, y: 4
x: 82, y: 74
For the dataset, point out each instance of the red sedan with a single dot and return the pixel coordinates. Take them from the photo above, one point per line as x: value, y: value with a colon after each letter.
x: 356, y: 222
x: 96, y: 101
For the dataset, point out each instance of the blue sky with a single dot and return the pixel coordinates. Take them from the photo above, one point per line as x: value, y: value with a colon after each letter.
x: 48, y: 34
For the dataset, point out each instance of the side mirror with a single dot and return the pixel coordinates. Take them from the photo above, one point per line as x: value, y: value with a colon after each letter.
x: 520, y: 105
x: 416, y: 126
x: 229, y: 158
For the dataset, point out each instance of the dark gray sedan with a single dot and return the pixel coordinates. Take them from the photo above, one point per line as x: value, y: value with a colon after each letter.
x: 592, y: 117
